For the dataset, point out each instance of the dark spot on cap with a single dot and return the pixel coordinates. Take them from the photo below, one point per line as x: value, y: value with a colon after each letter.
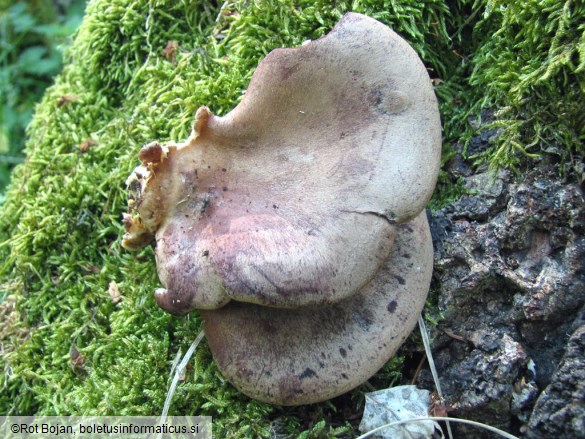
x: 375, y: 97
x: 400, y: 279
x: 343, y: 352
x: 205, y: 253
x: 363, y: 321
x: 223, y: 169
x: 287, y: 71
x: 135, y: 186
x: 392, y: 306
x: 344, y: 376
x: 225, y: 188
x: 308, y: 373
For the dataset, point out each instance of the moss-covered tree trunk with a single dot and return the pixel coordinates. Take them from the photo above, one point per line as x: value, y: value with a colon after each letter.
x: 69, y: 347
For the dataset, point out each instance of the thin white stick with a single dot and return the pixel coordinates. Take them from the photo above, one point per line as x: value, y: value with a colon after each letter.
x: 175, y: 363
x: 176, y: 378
x: 440, y: 418
x: 427, y: 344
x: 220, y: 11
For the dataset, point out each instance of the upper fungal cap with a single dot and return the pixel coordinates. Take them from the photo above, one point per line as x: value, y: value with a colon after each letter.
x: 291, y: 199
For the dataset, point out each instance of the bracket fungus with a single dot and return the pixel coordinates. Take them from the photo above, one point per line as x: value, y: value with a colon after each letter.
x: 294, y: 222
x: 306, y: 355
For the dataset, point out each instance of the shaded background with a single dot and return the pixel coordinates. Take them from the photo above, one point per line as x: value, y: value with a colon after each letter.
x: 33, y: 36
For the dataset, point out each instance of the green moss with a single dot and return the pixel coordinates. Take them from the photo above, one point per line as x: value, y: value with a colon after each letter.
x: 32, y: 35
x: 68, y: 347
x: 530, y: 65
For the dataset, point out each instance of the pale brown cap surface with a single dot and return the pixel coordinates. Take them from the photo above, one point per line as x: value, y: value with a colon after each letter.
x: 292, y: 198
x: 292, y: 357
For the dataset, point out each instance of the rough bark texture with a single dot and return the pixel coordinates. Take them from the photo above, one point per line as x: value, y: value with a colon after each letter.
x: 560, y: 409
x: 510, y: 274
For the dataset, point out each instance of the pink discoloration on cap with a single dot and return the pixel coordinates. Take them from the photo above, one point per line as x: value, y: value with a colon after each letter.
x: 291, y: 199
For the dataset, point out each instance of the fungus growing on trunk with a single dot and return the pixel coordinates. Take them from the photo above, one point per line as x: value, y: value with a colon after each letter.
x: 307, y: 355
x: 292, y: 200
